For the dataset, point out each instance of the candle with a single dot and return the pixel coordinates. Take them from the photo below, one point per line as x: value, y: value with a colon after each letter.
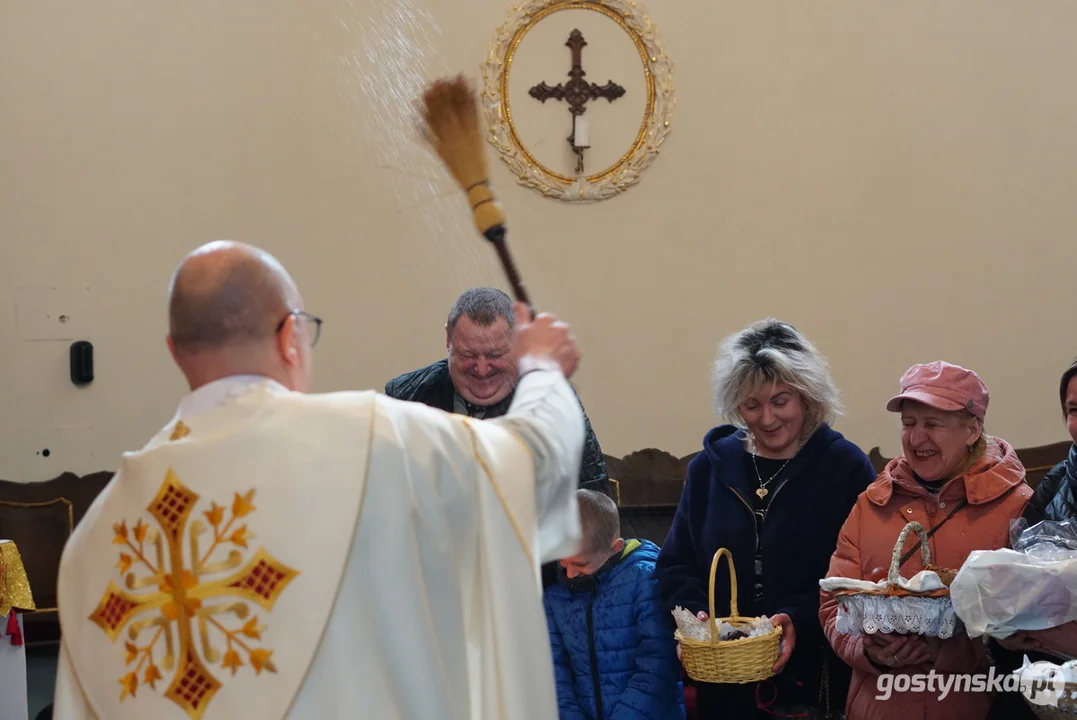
x: 581, y: 132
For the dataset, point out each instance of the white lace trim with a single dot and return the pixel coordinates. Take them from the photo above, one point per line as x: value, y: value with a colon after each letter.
x: 933, y: 617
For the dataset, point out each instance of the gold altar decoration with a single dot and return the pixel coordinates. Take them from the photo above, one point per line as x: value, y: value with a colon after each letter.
x: 654, y: 126
x: 14, y: 586
x: 185, y: 603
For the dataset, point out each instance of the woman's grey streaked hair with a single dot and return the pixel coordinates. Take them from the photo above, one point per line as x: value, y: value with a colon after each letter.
x: 767, y: 352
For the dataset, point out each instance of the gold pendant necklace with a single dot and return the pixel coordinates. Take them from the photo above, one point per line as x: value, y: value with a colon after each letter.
x: 762, y: 491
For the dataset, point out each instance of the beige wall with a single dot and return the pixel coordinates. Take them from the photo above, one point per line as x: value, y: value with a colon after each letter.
x: 896, y: 179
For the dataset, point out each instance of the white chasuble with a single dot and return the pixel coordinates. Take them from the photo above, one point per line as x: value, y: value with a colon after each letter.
x: 273, y: 554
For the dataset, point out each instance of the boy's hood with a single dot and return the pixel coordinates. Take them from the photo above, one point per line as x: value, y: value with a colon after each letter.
x: 636, y: 551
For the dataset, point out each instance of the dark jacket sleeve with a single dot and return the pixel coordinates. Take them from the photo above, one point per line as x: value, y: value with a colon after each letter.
x: 862, y: 474
x: 432, y: 386
x: 678, y: 567
x: 1036, y: 510
x: 802, y: 606
x: 407, y: 386
x: 593, y: 473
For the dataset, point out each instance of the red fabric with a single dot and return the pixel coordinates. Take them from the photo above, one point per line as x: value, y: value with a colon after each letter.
x: 690, y: 703
x: 765, y: 705
x: 13, y: 628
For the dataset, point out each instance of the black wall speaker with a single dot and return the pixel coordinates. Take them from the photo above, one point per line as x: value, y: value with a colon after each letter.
x: 82, y: 362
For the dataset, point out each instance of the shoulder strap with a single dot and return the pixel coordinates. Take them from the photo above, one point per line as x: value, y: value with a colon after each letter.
x: 916, y: 547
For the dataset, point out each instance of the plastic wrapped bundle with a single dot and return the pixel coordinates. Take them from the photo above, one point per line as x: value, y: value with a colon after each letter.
x: 1033, y: 587
x: 692, y: 627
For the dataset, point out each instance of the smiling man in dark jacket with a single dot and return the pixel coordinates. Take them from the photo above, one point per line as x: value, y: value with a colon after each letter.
x: 479, y: 378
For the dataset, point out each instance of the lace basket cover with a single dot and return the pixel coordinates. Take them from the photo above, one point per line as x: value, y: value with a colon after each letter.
x: 870, y: 614
x: 919, y: 605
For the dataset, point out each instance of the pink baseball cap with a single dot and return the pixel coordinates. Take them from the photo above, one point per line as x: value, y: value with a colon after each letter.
x: 944, y: 387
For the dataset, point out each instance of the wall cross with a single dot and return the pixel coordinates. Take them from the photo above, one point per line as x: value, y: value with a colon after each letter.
x: 577, y: 92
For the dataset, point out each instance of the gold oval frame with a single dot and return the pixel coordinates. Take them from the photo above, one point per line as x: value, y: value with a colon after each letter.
x: 640, y: 47
x: 654, y: 128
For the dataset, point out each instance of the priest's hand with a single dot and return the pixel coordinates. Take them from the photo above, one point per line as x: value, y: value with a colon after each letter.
x: 545, y: 336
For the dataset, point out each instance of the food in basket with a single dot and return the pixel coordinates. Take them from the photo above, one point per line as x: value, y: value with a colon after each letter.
x: 919, y: 605
x: 694, y: 628
x: 878, y: 578
x: 744, y: 651
x: 945, y: 574
x: 878, y: 574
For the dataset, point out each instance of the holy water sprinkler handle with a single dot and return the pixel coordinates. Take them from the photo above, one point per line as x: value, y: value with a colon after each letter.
x: 450, y: 112
x: 496, y: 235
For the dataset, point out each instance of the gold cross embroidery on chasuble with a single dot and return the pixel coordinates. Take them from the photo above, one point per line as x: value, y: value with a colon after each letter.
x: 188, y: 619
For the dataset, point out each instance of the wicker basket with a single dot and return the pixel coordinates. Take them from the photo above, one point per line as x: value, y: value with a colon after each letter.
x: 894, y: 574
x: 1065, y: 710
x: 739, y: 661
x: 901, y: 604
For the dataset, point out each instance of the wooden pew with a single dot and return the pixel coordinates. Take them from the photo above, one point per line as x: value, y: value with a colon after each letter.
x: 649, y: 483
x: 41, y: 516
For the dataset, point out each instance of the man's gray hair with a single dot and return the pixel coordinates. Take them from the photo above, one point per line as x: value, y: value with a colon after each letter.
x: 484, y: 305
x: 770, y: 352
x: 599, y: 520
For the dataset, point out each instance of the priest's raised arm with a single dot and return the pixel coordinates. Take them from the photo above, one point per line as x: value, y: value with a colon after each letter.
x: 273, y: 553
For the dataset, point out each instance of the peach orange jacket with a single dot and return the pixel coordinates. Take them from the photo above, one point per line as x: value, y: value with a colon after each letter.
x: 997, y: 493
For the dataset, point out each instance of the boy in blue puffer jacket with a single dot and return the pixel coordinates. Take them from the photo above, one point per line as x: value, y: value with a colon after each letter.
x: 614, y: 654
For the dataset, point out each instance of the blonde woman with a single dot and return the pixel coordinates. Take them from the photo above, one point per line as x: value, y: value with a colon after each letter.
x: 773, y: 487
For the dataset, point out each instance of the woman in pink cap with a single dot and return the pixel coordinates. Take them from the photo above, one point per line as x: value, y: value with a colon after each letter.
x: 964, y: 487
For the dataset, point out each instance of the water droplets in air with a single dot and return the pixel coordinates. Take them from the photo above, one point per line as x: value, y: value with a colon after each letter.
x: 384, y: 52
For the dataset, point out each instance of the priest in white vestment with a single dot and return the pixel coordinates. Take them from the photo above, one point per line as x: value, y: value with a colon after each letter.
x: 272, y: 553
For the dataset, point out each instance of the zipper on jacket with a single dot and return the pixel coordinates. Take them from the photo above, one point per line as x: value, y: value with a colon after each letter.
x: 755, y: 530
x: 751, y: 513
x: 755, y: 536
x: 594, y: 657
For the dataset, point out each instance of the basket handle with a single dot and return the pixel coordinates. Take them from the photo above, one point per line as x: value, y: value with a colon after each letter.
x: 925, y: 552
x: 732, y: 587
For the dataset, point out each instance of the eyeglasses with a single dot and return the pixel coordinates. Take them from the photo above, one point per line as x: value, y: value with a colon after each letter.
x: 314, y: 320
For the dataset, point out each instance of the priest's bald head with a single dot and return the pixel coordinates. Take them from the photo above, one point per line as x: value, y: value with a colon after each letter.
x: 234, y: 310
